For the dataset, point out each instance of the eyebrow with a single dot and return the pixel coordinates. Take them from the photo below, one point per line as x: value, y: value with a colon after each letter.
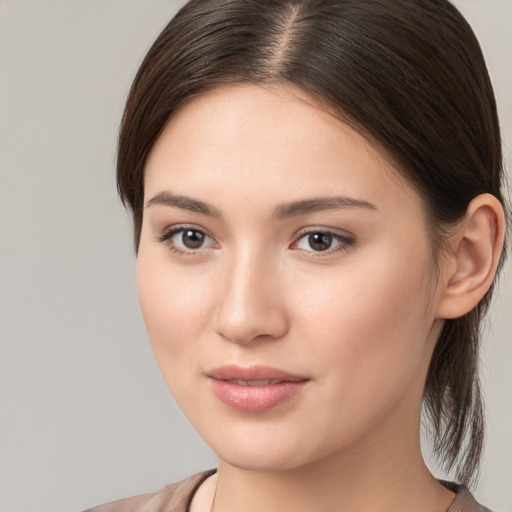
x: 318, y: 204
x: 184, y: 203
x: 293, y: 208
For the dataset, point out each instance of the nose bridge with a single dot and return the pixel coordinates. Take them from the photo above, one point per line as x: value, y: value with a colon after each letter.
x: 249, y: 306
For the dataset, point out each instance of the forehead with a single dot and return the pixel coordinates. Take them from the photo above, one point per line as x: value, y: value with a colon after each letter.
x: 272, y: 142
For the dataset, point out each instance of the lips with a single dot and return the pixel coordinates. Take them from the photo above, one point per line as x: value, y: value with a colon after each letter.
x: 253, y: 382
x: 256, y: 388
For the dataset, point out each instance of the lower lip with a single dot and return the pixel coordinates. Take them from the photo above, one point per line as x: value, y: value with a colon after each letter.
x: 255, y: 398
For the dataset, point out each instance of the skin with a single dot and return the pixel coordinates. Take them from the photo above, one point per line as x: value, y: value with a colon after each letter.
x: 359, y: 320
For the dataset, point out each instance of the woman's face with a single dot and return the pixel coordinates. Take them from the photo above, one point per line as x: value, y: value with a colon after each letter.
x: 286, y: 280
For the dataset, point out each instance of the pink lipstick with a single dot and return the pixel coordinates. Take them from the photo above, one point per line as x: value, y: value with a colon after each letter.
x: 256, y: 388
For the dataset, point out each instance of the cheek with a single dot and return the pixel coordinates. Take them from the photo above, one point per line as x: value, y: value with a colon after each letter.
x: 370, y: 321
x: 175, y: 307
x: 370, y: 292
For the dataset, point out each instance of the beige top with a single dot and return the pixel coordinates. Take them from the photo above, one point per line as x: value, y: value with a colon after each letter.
x: 177, y: 498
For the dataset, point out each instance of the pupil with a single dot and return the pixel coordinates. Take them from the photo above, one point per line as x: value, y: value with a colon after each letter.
x: 193, y: 239
x: 320, y: 241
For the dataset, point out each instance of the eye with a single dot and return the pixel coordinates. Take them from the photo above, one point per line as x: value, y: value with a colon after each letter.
x: 322, y: 242
x: 184, y: 239
x: 190, y: 238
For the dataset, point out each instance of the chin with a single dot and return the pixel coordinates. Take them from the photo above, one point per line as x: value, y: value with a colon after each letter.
x: 263, y: 462
x: 267, y: 448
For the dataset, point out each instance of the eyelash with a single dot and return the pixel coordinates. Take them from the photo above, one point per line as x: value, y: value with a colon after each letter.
x: 344, y: 242
x: 166, y: 238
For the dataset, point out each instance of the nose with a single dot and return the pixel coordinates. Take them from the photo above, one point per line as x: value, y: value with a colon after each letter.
x: 250, y: 302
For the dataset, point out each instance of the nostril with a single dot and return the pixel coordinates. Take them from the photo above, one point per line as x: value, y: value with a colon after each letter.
x: 258, y: 325
x: 240, y: 333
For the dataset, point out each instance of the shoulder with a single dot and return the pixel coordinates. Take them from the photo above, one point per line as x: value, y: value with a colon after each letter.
x: 172, y: 498
x: 464, y: 501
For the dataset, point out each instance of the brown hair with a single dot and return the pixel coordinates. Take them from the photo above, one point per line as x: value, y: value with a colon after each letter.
x: 409, y: 74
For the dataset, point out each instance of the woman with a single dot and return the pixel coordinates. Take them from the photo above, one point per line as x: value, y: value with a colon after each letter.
x: 318, y: 214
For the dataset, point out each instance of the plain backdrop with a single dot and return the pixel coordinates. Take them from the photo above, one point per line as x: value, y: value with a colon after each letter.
x: 85, y: 417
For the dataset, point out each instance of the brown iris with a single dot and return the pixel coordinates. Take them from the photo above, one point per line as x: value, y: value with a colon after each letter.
x: 192, y: 239
x: 320, y: 241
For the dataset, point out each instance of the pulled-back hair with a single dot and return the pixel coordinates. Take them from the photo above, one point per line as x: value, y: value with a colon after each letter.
x: 407, y: 74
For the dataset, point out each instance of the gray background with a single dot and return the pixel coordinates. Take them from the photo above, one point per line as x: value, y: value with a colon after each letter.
x: 84, y: 415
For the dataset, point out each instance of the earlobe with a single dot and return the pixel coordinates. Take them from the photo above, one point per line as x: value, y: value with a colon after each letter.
x: 476, y: 246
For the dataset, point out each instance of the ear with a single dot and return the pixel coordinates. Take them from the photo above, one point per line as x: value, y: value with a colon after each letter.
x: 475, y: 248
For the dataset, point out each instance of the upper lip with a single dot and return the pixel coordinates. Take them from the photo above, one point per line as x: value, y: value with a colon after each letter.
x: 253, y: 373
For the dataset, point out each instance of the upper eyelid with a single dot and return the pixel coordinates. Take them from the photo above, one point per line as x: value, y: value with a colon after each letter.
x: 335, y: 236
x: 336, y: 232
x: 176, y: 228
